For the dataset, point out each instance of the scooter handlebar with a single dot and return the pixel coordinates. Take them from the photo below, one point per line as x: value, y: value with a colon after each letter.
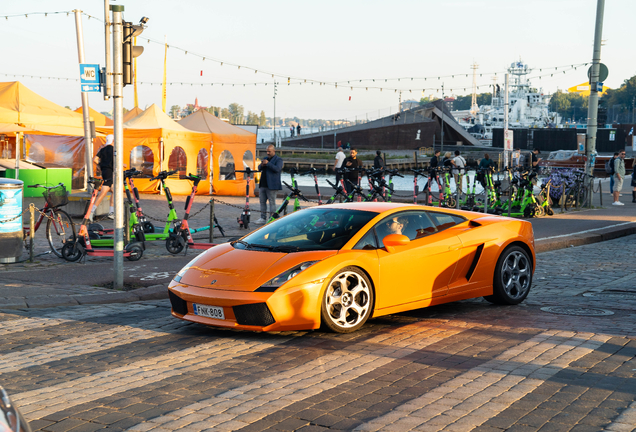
x: 164, y: 174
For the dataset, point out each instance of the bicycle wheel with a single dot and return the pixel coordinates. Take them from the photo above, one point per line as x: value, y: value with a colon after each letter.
x: 59, y: 229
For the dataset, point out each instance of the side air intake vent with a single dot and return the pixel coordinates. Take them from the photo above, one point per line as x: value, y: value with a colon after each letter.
x: 256, y: 314
x: 179, y: 305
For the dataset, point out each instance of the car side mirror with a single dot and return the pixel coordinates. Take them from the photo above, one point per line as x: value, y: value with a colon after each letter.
x: 393, y: 240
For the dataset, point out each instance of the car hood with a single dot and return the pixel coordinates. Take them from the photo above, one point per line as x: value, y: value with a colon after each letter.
x: 232, y: 269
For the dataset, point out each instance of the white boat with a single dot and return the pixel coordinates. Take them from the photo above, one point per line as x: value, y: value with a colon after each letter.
x: 528, y: 107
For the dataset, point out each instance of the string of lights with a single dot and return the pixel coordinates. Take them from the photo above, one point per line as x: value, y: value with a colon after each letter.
x: 295, y: 80
x: 264, y: 84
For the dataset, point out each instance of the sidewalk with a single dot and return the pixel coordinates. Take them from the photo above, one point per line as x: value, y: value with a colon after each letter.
x: 551, y: 233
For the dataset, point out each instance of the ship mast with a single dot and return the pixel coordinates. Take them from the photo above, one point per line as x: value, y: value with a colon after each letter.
x: 473, y: 105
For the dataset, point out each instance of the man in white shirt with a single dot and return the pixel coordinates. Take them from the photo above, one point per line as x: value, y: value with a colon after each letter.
x: 340, y: 157
x: 459, y: 163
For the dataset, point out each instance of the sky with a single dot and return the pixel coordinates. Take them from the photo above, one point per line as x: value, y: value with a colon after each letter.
x: 325, y: 41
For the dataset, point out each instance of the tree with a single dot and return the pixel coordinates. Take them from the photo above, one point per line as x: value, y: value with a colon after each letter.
x: 236, y: 112
x: 262, y: 120
x: 175, y: 110
x: 225, y: 113
x: 252, y: 118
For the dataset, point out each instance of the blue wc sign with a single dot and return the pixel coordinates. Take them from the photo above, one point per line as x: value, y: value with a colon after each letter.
x: 90, y: 77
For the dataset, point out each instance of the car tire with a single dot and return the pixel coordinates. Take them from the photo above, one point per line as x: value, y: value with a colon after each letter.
x: 347, y: 302
x: 513, y: 277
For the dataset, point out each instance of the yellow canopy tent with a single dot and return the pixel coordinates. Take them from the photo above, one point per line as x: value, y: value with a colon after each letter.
x: 154, y: 142
x: 26, y: 108
x: 232, y: 148
x: 57, y: 138
x: 132, y: 114
x: 99, y: 118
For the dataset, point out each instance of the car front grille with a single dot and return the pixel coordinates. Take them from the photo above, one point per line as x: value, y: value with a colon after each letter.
x: 179, y: 305
x: 256, y: 314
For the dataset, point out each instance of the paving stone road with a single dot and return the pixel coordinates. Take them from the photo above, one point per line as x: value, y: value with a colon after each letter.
x: 563, y: 360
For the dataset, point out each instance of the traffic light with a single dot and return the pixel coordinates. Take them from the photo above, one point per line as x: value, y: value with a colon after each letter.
x: 130, y: 51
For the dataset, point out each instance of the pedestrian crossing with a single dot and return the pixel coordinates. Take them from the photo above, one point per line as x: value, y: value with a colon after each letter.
x: 394, y: 374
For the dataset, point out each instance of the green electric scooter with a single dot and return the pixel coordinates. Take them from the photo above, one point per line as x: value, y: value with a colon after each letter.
x: 103, y: 237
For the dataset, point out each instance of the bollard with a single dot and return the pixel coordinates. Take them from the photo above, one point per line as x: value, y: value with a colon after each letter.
x: 563, y: 197
x: 31, y: 230
x: 211, y: 220
x: 600, y: 192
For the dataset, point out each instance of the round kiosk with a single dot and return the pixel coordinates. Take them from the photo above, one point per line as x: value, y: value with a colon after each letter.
x: 11, y: 236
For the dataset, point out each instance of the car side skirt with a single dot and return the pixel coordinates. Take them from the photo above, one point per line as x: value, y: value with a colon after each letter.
x: 465, y: 295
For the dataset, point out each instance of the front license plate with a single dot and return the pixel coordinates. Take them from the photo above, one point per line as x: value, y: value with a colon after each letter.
x: 208, y: 311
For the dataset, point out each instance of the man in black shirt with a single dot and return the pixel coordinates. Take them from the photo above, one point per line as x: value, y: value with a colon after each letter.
x: 433, y: 163
x: 536, y: 159
x: 378, y: 162
x: 104, y: 159
x: 352, y: 162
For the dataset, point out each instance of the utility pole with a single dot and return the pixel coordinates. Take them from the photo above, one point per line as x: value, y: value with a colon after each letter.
x: 592, y: 110
x: 88, y: 146
x: 274, y: 121
x: 118, y: 151
x: 441, y: 151
x: 506, y: 104
x: 400, y: 107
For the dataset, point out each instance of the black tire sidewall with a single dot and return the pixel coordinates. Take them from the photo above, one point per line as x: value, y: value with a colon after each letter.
x: 325, y: 320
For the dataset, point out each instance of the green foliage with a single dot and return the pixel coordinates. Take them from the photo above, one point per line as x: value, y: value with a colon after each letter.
x: 570, y: 106
x: 174, y: 110
x: 236, y: 113
x: 262, y: 119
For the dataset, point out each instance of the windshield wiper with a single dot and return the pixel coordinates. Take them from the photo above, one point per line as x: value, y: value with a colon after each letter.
x: 254, y: 245
x: 286, y: 249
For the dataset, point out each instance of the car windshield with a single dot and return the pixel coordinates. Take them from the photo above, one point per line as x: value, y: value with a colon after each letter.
x: 306, y: 230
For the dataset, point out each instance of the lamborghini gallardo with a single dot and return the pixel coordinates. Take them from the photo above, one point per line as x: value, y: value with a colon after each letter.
x: 336, y: 266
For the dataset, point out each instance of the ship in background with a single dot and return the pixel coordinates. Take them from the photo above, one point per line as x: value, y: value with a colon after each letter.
x: 529, y: 108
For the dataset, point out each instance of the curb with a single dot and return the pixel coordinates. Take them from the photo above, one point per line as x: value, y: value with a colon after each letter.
x: 154, y: 292
x: 580, y: 240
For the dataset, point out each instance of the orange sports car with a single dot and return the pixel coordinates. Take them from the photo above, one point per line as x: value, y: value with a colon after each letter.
x: 338, y: 265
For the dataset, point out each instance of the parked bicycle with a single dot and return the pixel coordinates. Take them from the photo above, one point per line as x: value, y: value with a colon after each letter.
x: 59, y: 225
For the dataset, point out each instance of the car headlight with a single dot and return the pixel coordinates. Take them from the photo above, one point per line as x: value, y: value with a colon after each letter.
x: 183, y: 271
x: 272, y: 284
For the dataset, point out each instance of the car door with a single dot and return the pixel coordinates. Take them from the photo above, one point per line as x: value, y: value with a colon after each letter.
x: 422, y: 268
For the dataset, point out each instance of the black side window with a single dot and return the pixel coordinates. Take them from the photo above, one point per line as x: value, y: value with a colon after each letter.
x: 444, y: 221
x: 368, y: 242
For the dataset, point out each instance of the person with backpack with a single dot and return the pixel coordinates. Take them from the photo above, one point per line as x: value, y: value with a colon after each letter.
x: 609, y: 169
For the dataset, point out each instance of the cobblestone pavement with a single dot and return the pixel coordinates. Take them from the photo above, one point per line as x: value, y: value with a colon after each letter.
x: 563, y: 360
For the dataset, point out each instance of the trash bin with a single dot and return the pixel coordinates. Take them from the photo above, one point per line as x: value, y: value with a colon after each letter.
x: 11, y: 243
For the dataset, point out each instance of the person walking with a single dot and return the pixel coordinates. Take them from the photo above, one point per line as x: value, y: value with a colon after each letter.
x: 298, y: 128
x: 340, y: 158
x: 432, y: 164
x: 104, y: 159
x: 378, y: 162
x: 619, y: 176
x: 291, y: 131
x: 270, y: 183
x: 611, y: 172
x: 352, y: 163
